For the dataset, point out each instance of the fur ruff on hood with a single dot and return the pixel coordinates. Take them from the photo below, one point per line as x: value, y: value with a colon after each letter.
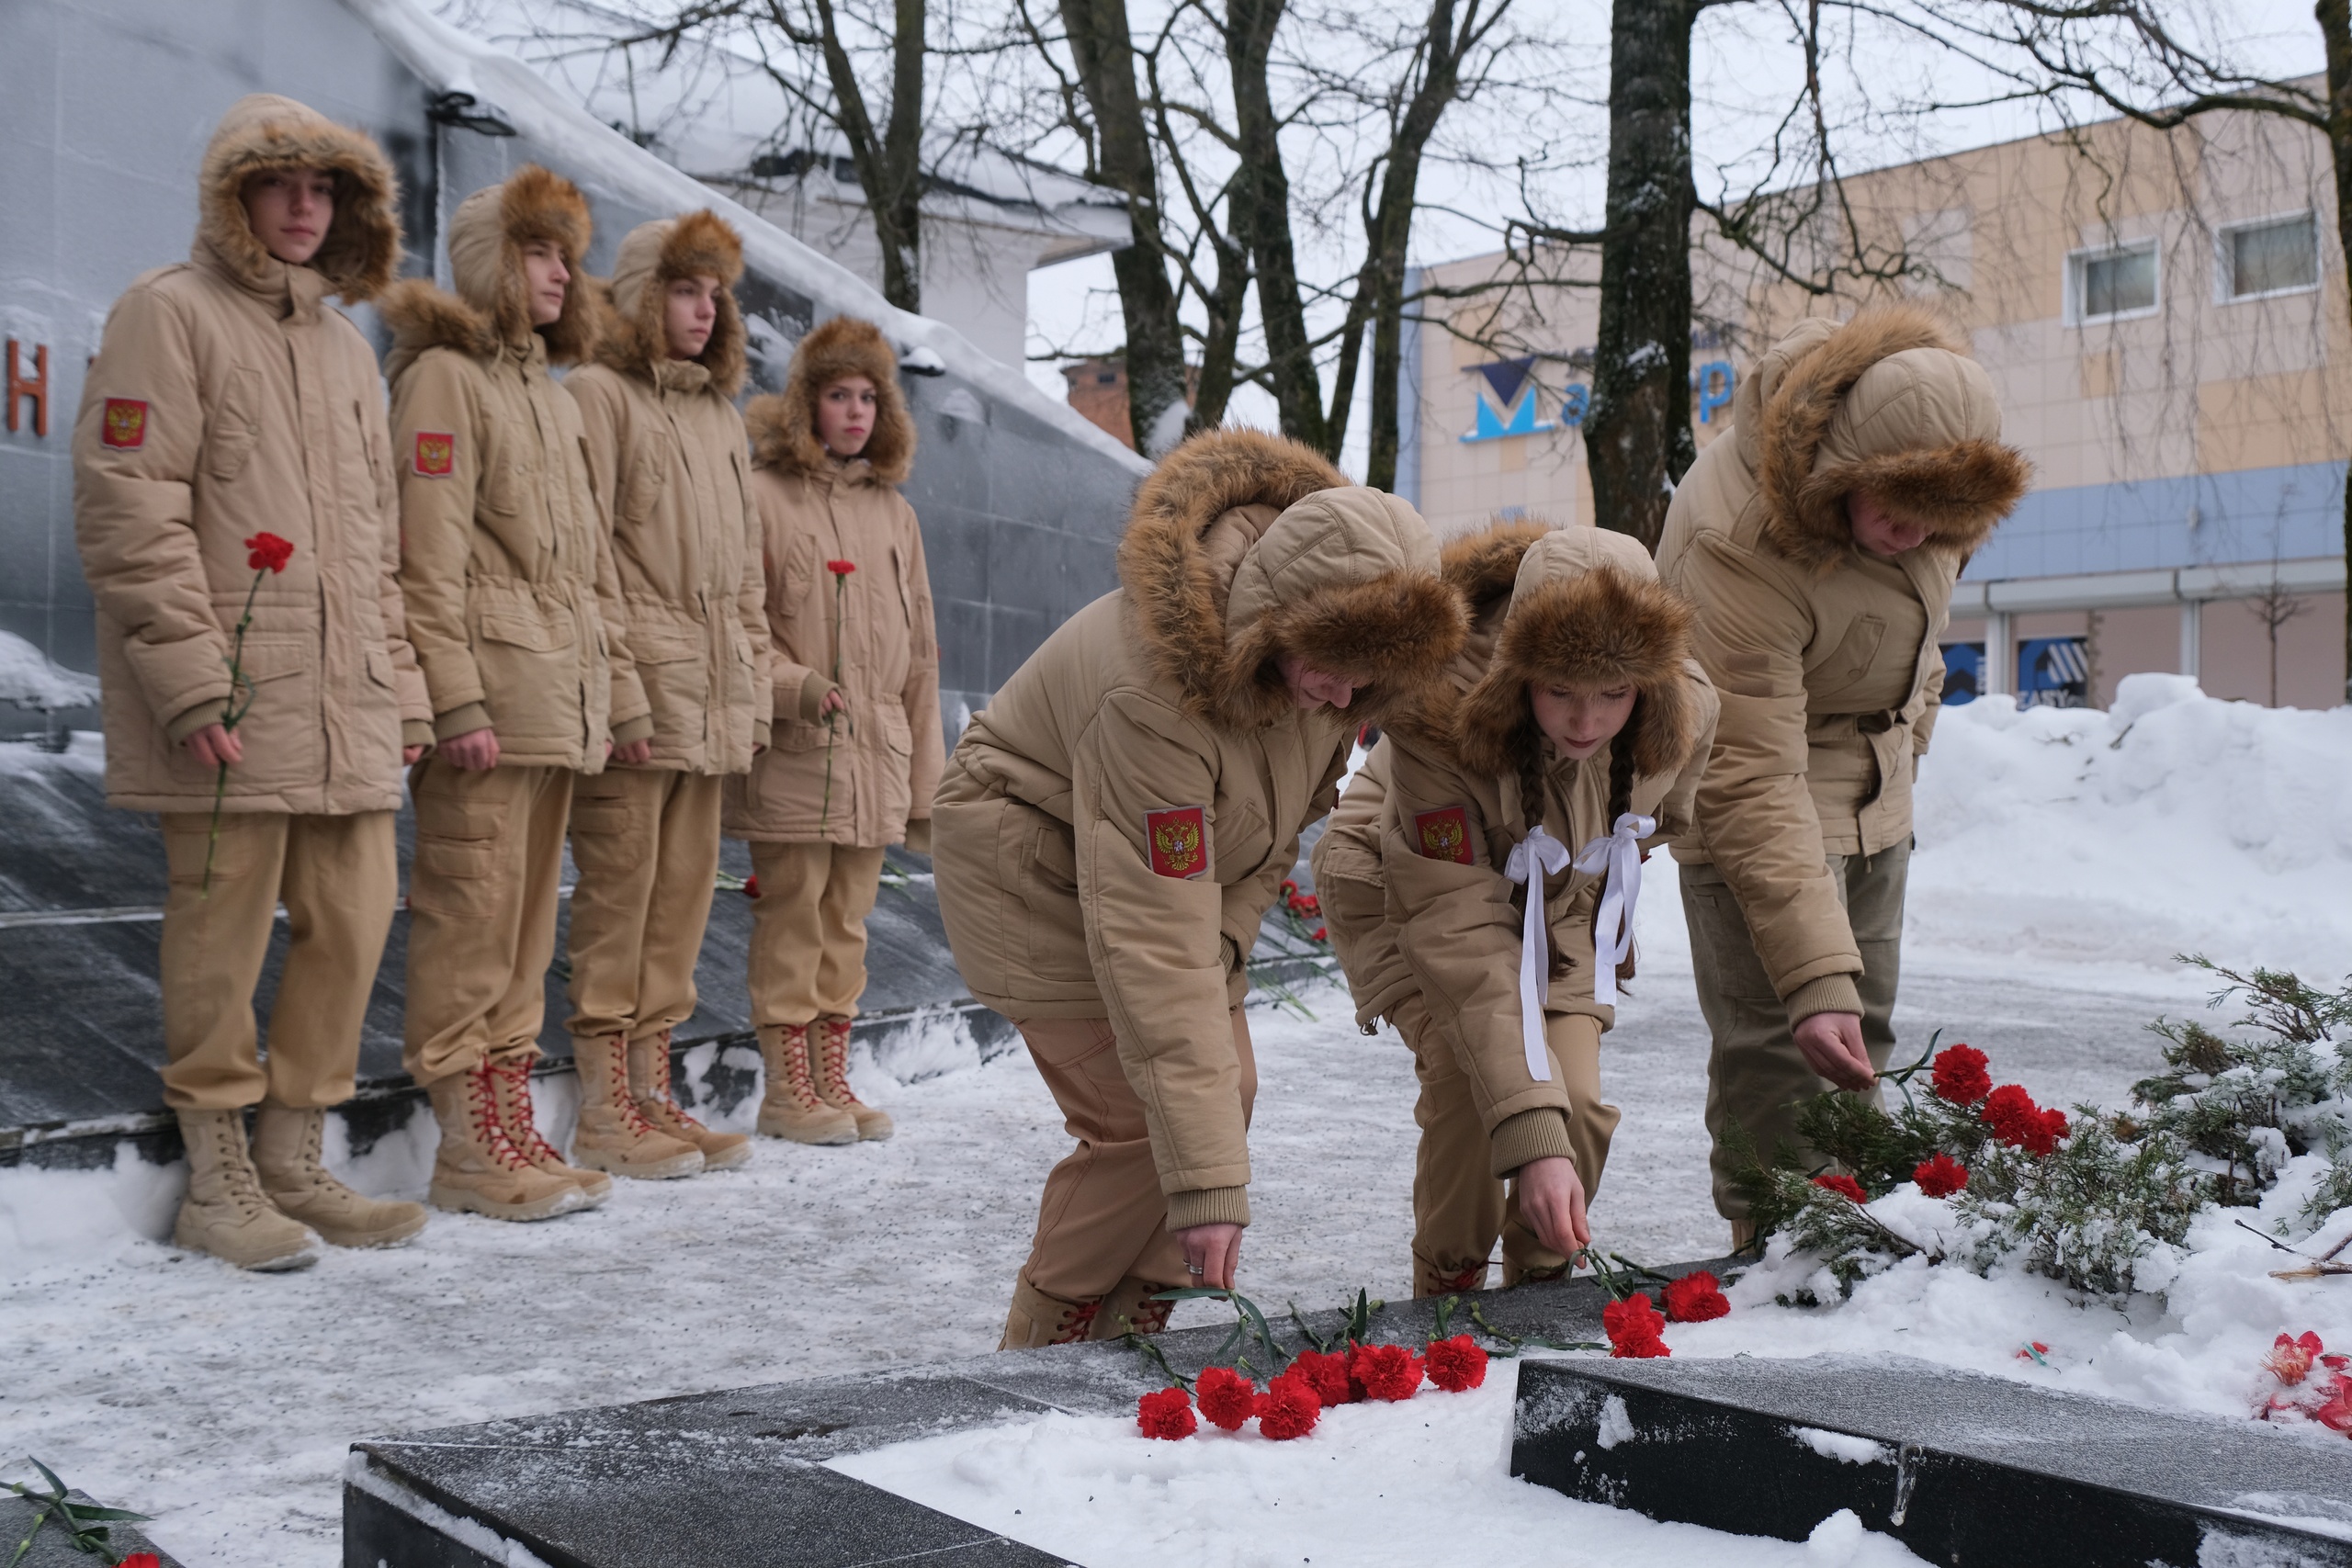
x: 490, y: 311
x: 653, y: 256
x: 784, y: 424
x: 262, y: 131
x: 1586, y: 609
x: 1354, y: 590
x: 1890, y: 402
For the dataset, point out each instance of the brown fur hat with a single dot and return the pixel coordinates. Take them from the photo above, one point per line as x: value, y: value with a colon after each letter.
x: 653, y: 256
x: 1587, y: 608
x: 262, y: 131
x: 489, y: 309
x: 1890, y: 402
x: 1242, y: 546
x: 784, y: 424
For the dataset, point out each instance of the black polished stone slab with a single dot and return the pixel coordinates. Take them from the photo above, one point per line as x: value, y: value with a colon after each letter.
x: 1967, y: 1469
x: 738, y: 1476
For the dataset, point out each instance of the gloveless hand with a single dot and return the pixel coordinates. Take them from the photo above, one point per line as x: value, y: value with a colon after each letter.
x: 1550, y: 1202
x: 216, y: 746
x: 1211, y: 1253
x: 476, y: 750
x: 1832, y: 1046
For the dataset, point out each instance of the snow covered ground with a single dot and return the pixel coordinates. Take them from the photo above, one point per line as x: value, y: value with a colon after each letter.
x: 2063, y: 858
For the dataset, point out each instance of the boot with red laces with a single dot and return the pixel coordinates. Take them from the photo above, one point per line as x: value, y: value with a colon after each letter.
x: 792, y: 1108
x: 1037, y: 1319
x: 613, y: 1134
x: 648, y: 1086
x: 512, y: 1079
x: 478, y: 1170
x: 831, y: 1037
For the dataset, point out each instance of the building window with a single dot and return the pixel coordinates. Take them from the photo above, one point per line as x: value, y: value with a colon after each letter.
x: 2113, y: 285
x: 2277, y: 256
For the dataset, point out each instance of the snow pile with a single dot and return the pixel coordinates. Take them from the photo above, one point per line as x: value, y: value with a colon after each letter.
x: 1372, y: 1485
x: 2172, y: 823
x: 28, y: 680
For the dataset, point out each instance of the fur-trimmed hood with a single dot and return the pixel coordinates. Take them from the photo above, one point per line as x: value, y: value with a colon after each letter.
x: 654, y: 255
x: 1242, y: 546
x: 1891, y: 402
x: 261, y: 132
x: 784, y: 424
x: 1586, y: 608
x: 488, y: 312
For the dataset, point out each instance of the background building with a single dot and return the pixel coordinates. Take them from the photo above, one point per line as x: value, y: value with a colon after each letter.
x: 2163, y: 315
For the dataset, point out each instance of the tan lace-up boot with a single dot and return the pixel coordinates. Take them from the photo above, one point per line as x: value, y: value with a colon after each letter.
x: 792, y: 1108
x: 1129, y: 1309
x: 478, y: 1170
x: 648, y: 1085
x: 286, y: 1154
x: 613, y: 1134
x: 225, y: 1211
x: 1038, y: 1319
x: 832, y: 1038
x: 512, y: 1082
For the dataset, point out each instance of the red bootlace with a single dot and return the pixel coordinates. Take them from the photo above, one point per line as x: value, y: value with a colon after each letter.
x: 617, y: 1073
x: 481, y: 1104
x: 660, y: 1077
x: 1075, y: 1323
x: 533, y: 1146
x: 1150, y: 1316
x: 795, y: 1068
x: 837, y: 1058
x: 1470, y: 1279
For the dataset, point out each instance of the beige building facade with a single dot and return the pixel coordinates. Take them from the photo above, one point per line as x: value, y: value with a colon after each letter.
x: 2165, y: 317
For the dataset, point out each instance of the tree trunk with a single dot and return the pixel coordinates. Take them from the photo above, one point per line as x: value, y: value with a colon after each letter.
x: 1099, y: 38
x: 1637, y: 435
x: 888, y: 163
x: 2336, y: 27
x: 1260, y: 209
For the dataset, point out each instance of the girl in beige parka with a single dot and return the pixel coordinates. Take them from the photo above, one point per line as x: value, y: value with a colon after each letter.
x: 857, y: 737
x: 1575, y: 705
x: 1114, y: 826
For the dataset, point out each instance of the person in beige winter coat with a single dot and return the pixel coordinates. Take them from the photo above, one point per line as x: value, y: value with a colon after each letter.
x: 516, y: 611
x: 1114, y: 826
x: 1819, y: 539
x: 1575, y: 705
x: 227, y: 400
x: 674, y: 479
x: 857, y: 746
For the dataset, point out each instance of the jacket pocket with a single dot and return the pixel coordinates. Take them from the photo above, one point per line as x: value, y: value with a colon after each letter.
x: 283, y: 729
x: 530, y: 673
x: 673, y: 665
x: 1055, y: 933
x: 236, y: 424
x: 1851, y: 661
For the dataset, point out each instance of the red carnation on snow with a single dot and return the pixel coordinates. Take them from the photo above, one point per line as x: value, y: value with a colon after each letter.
x: 1695, y: 1298
x: 1387, y: 1371
x: 1960, y: 1075
x: 2017, y: 1121
x: 266, y: 552
x: 1166, y: 1413
x: 1226, y: 1397
x: 1636, y: 1330
x: 2290, y: 1359
x: 1940, y: 1176
x: 841, y: 567
x: 1457, y: 1363
x: 1844, y: 1186
x: 1326, y: 1372
x: 1289, y: 1408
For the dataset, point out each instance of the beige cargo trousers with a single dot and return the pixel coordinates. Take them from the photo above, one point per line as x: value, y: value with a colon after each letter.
x: 1755, y: 1075
x: 646, y: 843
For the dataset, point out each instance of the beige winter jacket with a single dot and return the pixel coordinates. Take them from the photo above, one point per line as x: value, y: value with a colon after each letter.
x: 873, y: 623
x: 1410, y: 870
x: 513, y: 602
x: 667, y: 454
x: 1114, y: 826
x: 226, y: 401
x: 1826, y: 657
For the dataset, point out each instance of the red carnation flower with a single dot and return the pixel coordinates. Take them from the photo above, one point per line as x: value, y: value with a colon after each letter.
x: 2017, y: 1121
x: 1844, y: 1186
x: 1634, y: 1328
x: 1289, y: 1408
x: 841, y: 567
x: 2291, y: 1359
x: 1695, y: 1298
x: 1960, y: 1075
x: 140, y: 1560
x: 1387, y: 1371
x: 1326, y: 1372
x: 1940, y: 1176
x: 1322, y: 933
x: 1167, y: 1413
x: 751, y: 886
x: 1226, y: 1397
x: 267, y: 552
x: 1457, y: 1363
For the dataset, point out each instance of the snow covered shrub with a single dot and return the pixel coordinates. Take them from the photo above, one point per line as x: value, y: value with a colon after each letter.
x: 2244, y: 1105
x: 2094, y: 1211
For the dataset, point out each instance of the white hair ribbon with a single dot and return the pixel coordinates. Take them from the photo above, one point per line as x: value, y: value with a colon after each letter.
x: 1538, y: 848
x: 1620, y: 855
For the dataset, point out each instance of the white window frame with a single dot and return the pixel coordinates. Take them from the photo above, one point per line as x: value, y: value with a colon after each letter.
x: 2225, y: 260
x: 2077, y: 263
